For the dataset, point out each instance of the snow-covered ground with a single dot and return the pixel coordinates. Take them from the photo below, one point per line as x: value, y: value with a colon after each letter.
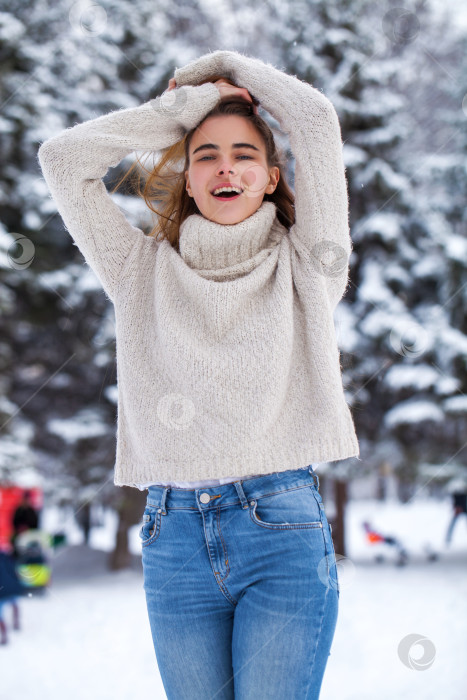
x: 89, y: 636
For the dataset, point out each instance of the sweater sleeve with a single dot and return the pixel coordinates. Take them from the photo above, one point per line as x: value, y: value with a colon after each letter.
x: 74, y: 162
x: 321, y: 233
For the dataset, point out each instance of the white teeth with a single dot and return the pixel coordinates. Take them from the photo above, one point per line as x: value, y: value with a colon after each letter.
x: 227, y: 189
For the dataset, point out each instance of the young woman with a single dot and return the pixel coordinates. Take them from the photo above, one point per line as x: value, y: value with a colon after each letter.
x: 229, y: 382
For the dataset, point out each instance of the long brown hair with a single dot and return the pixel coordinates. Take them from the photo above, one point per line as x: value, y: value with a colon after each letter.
x: 165, y: 184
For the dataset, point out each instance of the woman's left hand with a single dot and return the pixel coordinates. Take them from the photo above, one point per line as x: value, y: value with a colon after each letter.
x: 234, y: 89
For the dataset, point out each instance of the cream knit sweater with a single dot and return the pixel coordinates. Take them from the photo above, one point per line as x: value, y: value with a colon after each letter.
x: 227, y: 358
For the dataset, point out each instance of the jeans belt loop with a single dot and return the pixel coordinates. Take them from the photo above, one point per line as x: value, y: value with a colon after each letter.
x: 164, y: 496
x: 315, y: 476
x: 241, y: 494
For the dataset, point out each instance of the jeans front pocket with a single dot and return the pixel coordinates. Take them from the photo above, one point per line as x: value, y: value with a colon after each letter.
x: 292, y: 509
x: 150, y: 528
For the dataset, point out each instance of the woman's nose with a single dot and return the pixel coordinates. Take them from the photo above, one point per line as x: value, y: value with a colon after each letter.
x: 225, y: 167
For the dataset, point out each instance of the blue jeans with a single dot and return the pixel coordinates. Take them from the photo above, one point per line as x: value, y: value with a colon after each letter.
x: 241, y: 587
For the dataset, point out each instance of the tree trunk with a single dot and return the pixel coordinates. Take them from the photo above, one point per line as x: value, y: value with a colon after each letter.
x: 338, y: 535
x: 130, y: 507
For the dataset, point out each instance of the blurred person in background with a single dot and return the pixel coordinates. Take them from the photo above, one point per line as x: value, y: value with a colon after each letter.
x: 459, y: 504
x: 25, y: 517
x: 10, y: 589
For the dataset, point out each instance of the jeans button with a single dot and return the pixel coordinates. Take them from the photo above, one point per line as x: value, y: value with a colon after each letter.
x: 205, y: 498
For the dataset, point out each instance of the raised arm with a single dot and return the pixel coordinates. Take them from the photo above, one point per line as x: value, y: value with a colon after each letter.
x: 75, y: 161
x: 321, y: 231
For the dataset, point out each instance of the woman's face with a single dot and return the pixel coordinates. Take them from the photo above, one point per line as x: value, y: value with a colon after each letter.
x: 228, y: 149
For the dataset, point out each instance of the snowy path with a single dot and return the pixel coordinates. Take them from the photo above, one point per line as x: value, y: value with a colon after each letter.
x: 89, y: 635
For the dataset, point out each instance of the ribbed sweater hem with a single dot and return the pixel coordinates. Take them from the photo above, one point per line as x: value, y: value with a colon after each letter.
x: 266, y: 458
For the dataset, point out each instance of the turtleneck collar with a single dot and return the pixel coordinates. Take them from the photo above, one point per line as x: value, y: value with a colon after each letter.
x: 221, y: 251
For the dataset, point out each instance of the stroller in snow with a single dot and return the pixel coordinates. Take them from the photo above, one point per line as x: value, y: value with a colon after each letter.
x: 376, y: 538
x: 32, y: 560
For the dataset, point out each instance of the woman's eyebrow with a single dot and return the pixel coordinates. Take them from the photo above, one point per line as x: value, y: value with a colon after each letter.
x: 216, y: 147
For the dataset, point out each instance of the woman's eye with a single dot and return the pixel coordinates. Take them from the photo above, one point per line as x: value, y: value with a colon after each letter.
x: 242, y: 156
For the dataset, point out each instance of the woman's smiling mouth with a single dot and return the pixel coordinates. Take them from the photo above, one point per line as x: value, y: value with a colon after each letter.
x: 226, y: 193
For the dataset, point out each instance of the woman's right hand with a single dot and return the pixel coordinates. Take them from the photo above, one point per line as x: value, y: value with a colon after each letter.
x: 227, y: 89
